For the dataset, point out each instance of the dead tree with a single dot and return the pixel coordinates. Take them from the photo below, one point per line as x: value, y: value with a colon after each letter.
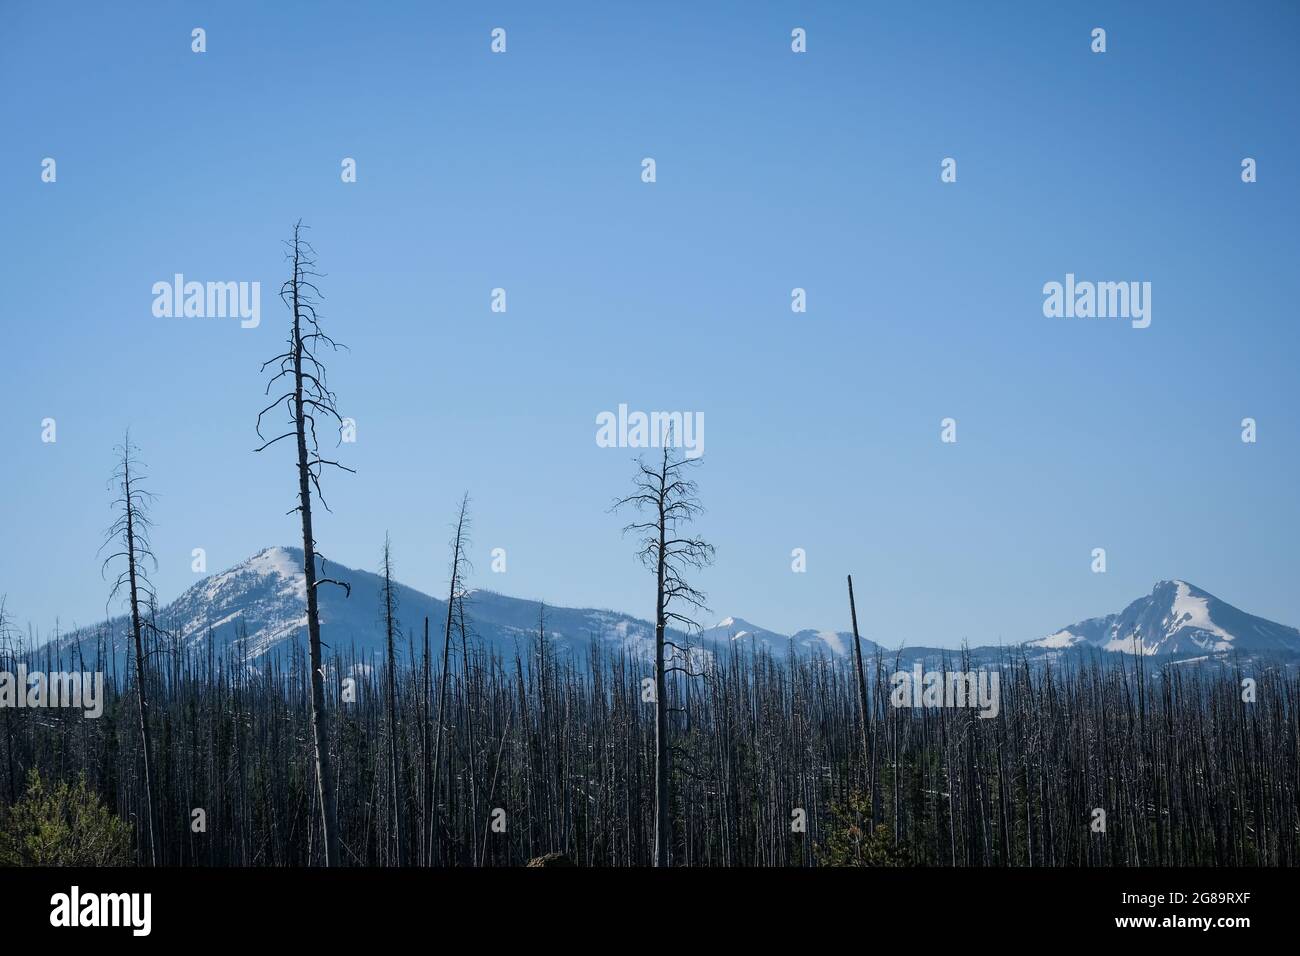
x: 669, y: 501
x: 130, y: 533
x: 862, y: 692
x: 8, y: 656
x: 455, y: 595
x: 307, y: 397
x: 426, y: 735
x: 389, y: 610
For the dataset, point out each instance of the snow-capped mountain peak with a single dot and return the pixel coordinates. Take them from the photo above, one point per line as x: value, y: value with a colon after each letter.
x: 1176, y: 618
x: 263, y: 598
x: 734, y: 629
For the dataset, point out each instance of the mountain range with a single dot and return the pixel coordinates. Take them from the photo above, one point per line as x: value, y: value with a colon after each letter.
x: 261, y: 604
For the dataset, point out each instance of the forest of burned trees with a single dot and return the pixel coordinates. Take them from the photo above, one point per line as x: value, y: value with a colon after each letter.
x: 560, y: 754
x: 447, y: 752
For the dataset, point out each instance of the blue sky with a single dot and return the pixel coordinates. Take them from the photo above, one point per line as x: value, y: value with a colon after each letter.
x: 775, y: 170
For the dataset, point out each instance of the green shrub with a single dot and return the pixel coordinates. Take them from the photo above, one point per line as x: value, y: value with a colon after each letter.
x: 62, y: 826
x: 852, y: 842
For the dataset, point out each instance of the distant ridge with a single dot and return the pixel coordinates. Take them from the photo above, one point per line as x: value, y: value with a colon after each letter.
x: 261, y: 602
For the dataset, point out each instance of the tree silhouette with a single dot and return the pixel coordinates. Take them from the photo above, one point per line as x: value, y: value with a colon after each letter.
x: 308, y: 397
x: 455, y: 600
x: 388, y: 608
x: 130, y: 532
x: 669, y: 501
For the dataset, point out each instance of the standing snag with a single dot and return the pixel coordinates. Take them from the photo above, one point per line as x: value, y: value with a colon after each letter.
x: 388, y: 608
x: 130, y: 533
x: 668, y: 500
x: 308, y: 396
x: 8, y: 661
x: 863, y: 717
x: 455, y: 604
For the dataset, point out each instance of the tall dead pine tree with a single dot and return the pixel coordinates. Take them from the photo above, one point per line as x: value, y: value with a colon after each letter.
x: 389, y: 611
x: 8, y: 657
x: 668, y: 500
x: 308, y: 396
x: 863, y: 716
x: 455, y: 595
x: 129, y: 533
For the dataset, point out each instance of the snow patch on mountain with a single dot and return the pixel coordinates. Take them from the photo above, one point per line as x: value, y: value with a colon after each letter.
x: 1193, y: 611
x: 1133, y: 644
x: 1059, y: 639
x: 280, y: 564
x: 833, y: 640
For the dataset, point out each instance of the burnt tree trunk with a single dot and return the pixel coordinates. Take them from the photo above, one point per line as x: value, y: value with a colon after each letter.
x: 862, y: 693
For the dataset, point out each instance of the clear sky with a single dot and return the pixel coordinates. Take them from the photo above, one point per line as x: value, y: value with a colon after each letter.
x: 775, y: 170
